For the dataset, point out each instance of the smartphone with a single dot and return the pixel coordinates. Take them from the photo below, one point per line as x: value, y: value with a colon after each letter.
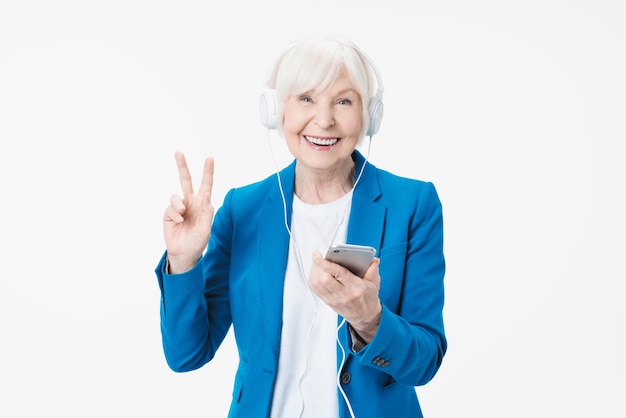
x: 355, y: 258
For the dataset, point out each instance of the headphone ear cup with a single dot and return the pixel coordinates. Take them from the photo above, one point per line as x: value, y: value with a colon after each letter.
x: 268, y: 109
x: 376, y: 115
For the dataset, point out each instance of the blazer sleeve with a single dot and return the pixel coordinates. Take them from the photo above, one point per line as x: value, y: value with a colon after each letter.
x: 194, y: 308
x: 410, y: 342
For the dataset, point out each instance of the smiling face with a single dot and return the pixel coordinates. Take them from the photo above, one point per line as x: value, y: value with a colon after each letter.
x: 323, y: 127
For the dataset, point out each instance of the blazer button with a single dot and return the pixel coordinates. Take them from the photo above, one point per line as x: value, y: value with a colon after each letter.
x: 345, y: 378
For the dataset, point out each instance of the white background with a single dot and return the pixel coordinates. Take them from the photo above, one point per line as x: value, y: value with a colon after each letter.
x: 515, y: 110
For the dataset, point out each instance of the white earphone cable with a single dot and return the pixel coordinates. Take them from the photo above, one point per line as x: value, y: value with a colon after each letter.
x: 343, y: 360
x: 304, y: 277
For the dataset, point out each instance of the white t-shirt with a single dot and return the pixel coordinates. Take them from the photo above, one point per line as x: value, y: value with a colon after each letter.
x: 307, y: 362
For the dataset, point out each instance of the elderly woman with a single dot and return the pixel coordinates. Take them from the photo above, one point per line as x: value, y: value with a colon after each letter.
x: 314, y: 339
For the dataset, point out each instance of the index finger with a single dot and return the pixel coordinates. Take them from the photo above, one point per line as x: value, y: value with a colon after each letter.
x: 183, y: 174
x: 206, y: 184
x: 327, y: 266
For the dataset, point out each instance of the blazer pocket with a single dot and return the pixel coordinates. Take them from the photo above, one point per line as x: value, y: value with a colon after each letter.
x: 393, y: 250
x: 390, y: 383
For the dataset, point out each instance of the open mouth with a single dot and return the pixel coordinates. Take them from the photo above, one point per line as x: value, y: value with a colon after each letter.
x: 322, y: 142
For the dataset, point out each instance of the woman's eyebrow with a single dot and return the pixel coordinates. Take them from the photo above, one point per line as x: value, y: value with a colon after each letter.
x: 341, y: 92
x: 346, y: 91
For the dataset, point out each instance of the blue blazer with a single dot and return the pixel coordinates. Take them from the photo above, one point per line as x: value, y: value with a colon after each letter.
x: 239, y: 281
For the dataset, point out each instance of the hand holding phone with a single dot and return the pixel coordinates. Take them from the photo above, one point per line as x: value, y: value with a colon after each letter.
x: 355, y: 258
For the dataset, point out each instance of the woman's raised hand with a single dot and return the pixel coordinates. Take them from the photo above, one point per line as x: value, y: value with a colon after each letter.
x: 187, y: 220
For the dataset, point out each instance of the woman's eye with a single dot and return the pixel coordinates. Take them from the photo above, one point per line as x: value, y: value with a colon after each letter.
x: 305, y: 99
x: 346, y: 102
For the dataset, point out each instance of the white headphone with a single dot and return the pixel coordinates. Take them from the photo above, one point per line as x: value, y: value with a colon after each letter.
x: 268, y: 103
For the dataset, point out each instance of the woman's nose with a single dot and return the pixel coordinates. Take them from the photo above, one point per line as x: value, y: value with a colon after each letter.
x: 324, y: 117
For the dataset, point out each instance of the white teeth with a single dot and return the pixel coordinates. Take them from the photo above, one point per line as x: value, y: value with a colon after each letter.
x: 320, y: 141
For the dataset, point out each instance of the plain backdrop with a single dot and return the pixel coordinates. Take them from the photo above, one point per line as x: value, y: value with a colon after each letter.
x: 515, y: 110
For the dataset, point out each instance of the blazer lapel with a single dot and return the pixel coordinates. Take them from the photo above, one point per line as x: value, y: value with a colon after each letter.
x: 273, y: 255
x: 367, y: 217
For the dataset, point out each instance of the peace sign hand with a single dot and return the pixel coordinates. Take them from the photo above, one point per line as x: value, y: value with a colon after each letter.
x: 187, y: 221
